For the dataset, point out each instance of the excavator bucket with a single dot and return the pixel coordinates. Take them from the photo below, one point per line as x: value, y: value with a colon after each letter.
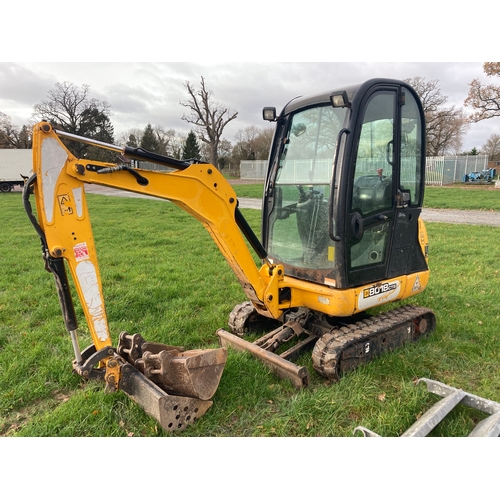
x: 175, y: 393
x: 174, y: 413
x: 194, y: 373
x: 171, y: 385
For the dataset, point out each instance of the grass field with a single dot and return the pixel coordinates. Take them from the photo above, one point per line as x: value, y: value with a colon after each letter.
x: 454, y: 197
x: 164, y: 278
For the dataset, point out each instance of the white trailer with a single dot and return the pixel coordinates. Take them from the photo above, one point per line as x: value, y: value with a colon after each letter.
x: 15, y: 167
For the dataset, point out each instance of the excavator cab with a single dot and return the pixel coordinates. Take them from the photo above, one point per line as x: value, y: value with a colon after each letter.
x: 345, y: 185
x: 342, y: 198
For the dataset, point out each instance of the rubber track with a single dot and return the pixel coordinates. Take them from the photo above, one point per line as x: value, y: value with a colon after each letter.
x: 329, y: 348
x: 239, y: 317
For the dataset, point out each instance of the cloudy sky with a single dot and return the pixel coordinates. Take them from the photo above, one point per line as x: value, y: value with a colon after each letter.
x: 146, y: 92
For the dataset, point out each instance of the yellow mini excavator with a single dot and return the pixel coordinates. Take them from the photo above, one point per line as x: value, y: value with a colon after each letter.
x: 341, y: 234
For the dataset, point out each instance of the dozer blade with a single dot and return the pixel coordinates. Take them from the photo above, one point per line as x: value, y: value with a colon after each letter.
x: 173, y: 412
x: 298, y: 375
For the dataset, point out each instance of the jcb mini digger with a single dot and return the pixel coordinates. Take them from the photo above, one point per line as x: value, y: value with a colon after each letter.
x: 341, y: 234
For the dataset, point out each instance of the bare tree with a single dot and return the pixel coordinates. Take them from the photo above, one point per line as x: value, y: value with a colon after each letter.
x: 12, y: 136
x: 445, y: 126
x: 253, y: 143
x: 492, y: 147
x: 71, y: 109
x: 131, y: 137
x: 171, y: 141
x: 208, y: 116
x: 485, y: 99
x: 445, y: 131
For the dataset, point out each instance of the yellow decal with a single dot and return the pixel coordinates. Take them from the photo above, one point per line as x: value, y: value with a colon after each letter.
x: 65, y: 204
x: 331, y: 254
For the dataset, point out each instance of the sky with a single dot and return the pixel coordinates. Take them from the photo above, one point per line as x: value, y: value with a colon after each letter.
x: 150, y: 92
x: 97, y: 44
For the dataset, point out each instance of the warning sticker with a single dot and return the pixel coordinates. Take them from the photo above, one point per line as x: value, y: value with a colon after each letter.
x: 65, y: 204
x: 416, y: 285
x: 81, y: 251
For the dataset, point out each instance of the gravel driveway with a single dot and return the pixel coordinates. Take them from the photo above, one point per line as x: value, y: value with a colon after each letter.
x: 475, y: 217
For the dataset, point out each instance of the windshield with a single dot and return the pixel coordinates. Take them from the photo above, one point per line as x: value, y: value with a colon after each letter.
x: 298, y: 229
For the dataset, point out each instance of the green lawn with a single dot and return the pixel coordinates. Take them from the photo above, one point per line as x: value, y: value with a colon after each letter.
x: 463, y: 198
x: 163, y: 277
x: 457, y: 197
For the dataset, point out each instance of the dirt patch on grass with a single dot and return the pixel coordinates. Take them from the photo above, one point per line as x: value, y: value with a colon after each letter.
x: 17, y: 419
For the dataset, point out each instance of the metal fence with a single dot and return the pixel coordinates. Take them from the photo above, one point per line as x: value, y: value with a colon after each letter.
x: 445, y: 170
x: 440, y: 170
x: 253, y: 170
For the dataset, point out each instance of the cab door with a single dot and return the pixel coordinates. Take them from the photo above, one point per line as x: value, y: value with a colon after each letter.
x: 374, y: 177
x: 386, y: 183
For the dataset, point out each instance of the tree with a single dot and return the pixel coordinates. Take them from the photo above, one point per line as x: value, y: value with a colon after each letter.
x: 445, y: 126
x: 253, y: 143
x: 472, y: 152
x: 492, y: 148
x: 191, y: 150
x: 131, y: 137
x: 97, y: 123
x: 71, y: 109
x: 175, y: 144
x: 149, y: 141
x: 132, y: 141
x: 485, y: 99
x: 208, y: 116
x: 171, y: 143
x: 13, y: 137
x: 225, y: 148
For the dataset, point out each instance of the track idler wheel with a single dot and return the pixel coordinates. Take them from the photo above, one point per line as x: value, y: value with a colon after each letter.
x: 244, y: 318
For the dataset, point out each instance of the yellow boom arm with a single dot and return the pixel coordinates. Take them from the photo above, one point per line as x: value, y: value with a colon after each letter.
x: 200, y: 190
